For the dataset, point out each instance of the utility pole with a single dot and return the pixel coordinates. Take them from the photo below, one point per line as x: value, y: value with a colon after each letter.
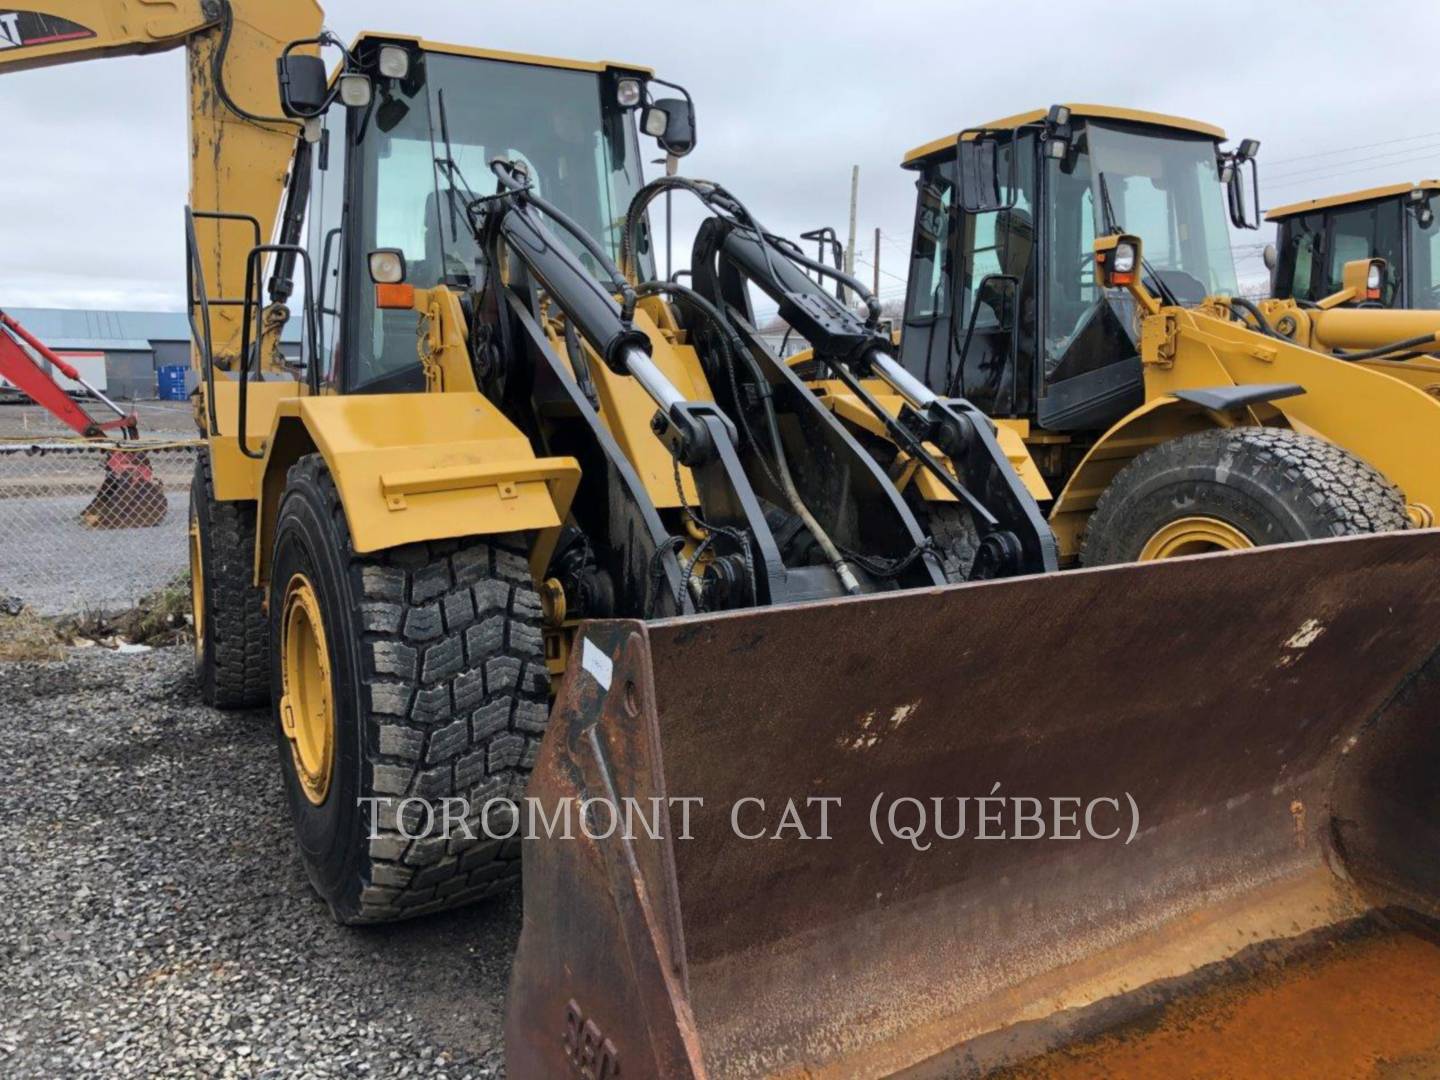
x: 876, y: 290
x: 850, y: 247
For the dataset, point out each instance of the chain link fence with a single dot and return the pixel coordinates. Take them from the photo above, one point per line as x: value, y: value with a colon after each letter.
x: 92, y: 526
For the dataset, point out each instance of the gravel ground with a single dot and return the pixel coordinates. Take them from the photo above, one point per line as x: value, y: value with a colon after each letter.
x: 156, y: 921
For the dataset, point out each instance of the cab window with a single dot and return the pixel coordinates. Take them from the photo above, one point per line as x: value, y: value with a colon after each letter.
x: 1364, y: 232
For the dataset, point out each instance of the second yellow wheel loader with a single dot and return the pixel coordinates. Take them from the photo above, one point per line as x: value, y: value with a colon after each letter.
x: 1165, y: 415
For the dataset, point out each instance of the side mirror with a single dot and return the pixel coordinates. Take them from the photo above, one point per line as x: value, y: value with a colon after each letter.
x: 1419, y: 203
x: 998, y: 292
x: 304, y: 92
x: 981, y: 188
x: 1244, y: 212
x: 671, y: 123
x: 1271, y: 257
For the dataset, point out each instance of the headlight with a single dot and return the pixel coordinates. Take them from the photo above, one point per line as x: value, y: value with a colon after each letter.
x: 387, y: 266
x: 655, y: 122
x: 628, y: 93
x: 394, y: 62
x: 355, y: 89
x: 1124, y: 259
x: 1373, y: 280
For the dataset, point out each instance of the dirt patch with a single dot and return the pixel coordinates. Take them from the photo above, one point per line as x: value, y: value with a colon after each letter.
x: 1366, y: 1007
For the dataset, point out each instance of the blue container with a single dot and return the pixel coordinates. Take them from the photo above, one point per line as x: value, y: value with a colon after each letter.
x: 170, y: 382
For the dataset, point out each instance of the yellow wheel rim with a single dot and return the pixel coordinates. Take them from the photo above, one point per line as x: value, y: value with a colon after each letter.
x: 306, y: 714
x: 197, y: 586
x: 1194, y: 536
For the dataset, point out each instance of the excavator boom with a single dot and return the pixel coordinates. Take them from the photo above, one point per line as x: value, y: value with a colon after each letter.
x: 240, y: 144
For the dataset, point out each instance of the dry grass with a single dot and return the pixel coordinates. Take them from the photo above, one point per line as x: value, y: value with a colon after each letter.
x: 27, y: 636
x: 160, y: 618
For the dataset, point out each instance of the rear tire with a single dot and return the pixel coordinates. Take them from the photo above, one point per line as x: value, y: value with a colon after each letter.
x: 231, y: 629
x: 1235, y: 488
x: 439, y: 690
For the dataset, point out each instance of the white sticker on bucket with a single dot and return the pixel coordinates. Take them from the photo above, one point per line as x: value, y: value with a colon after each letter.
x: 600, y: 666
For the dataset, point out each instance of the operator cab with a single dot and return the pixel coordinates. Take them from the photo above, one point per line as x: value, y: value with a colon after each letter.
x: 1004, y: 308
x: 396, y: 172
x: 1314, y: 240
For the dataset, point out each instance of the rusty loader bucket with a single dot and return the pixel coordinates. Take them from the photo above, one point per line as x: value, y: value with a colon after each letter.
x: 1163, y: 766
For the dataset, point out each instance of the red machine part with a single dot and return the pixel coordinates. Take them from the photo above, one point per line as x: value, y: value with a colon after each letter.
x: 21, y: 369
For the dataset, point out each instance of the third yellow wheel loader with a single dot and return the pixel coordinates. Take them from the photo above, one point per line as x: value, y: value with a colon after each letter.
x: 1315, y: 238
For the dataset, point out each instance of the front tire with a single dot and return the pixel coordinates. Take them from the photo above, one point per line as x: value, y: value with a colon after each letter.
x: 438, y: 690
x: 1234, y: 488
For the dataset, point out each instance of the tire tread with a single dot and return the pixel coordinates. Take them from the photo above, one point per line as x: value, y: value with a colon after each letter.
x: 452, y: 711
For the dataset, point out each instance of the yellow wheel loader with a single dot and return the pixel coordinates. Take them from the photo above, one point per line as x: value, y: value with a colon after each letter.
x: 1164, y: 415
x: 492, y: 433
x: 1315, y: 238
x: 500, y: 457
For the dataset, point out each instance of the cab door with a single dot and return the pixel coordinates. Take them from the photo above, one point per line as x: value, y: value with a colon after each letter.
x: 926, y: 347
x: 324, y: 240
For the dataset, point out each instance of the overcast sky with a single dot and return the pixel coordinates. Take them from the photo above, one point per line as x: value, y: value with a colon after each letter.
x: 789, y: 96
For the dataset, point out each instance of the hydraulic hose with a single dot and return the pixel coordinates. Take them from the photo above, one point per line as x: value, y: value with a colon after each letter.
x: 1259, y: 316
x: 781, y: 475
x: 1393, y: 347
x: 505, y: 172
x: 725, y: 204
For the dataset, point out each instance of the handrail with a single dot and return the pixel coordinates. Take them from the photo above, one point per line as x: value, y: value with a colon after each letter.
x: 253, y: 276
x: 203, y: 335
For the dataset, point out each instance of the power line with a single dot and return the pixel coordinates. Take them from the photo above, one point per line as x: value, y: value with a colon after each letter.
x: 1410, y: 153
x: 887, y: 273
x: 1344, y: 172
x: 1348, y: 149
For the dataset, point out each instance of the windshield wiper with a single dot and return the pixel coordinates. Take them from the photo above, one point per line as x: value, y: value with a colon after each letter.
x: 453, y: 172
x: 1113, y: 228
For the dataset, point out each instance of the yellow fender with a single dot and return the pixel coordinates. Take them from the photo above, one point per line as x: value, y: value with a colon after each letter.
x: 413, y: 467
x: 1158, y: 420
x: 1385, y: 421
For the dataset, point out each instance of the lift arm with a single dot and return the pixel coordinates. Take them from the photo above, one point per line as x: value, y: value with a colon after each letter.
x: 240, y: 146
